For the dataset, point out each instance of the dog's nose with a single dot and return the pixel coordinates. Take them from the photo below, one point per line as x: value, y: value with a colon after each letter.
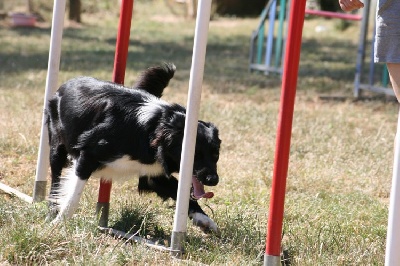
x: 211, y: 180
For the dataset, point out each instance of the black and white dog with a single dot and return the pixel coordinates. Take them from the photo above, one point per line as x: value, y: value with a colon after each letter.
x: 104, y: 130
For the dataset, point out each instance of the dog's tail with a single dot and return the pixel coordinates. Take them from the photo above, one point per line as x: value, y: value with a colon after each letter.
x: 155, y: 79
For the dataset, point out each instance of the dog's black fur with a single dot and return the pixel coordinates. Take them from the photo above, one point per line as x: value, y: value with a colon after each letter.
x: 97, y: 123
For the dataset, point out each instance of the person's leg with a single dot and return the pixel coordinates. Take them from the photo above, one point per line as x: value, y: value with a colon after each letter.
x: 394, y: 73
x: 392, y: 255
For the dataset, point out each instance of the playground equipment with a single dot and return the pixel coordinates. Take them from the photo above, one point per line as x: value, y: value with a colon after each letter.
x: 360, y: 62
x: 262, y: 52
x: 258, y: 36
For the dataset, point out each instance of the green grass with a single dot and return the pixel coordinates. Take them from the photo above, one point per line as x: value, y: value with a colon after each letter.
x: 340, y: 159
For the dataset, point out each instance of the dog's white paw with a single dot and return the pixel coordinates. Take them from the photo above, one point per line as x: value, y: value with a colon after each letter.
x: 205, y: 223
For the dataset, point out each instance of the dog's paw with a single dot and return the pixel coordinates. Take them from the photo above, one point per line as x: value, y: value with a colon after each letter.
x: 205, y: 223
x: 52, y: 214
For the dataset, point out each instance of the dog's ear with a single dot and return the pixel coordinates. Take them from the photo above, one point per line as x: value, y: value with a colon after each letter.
x: 170, y: 129
x: 177, y: 122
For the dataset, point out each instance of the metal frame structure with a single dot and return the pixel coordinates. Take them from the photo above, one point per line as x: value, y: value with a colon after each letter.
x: 269, y: 13
x: 258, y: 36
x: 360, y: 61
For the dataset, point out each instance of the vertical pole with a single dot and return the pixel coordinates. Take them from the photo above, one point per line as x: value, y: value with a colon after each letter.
x: 289, y: 83
x: 270, y: 37
x: 260, y: 42
x: 361, y: 49
x: 371, y: 74
x: 42, y: 166
x: 279, y: 39
x: 190, y: 132
x: 392, y: 256
x: 286, y: 33
x: 121, y: 55
x: 385, y: 76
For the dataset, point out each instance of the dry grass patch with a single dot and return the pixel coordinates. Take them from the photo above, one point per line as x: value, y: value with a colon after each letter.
x: 340, y: 165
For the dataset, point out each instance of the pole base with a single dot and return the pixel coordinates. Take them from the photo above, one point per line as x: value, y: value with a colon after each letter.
x: 102, y: 212
x: 177, y: 240
x: 39, y: 191
x: 270, y: 260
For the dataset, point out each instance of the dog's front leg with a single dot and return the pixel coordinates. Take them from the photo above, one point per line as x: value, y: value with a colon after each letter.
x: 200, y: 219
x: 167, y: 188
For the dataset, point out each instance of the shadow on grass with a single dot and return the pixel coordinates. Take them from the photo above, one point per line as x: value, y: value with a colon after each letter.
x: 139, y: 220
x: 90, y: 49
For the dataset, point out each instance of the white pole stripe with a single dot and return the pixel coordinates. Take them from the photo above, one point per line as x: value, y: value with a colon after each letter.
x: 51, y: 86
x: 193, y: 105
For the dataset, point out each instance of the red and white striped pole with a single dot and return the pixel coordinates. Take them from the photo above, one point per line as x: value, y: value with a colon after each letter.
x: 121, y: 55
x: 284, y: 132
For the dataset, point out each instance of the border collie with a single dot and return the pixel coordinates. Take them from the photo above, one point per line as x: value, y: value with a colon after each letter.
x: 105, y: 130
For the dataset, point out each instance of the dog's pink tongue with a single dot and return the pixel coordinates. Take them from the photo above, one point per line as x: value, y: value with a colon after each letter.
x: 198, y: 190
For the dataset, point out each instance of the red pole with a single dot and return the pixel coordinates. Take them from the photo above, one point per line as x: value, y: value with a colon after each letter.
x: 121, y: 55
x: 284, y: 131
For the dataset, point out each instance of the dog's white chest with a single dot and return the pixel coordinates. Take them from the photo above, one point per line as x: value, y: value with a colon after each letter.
x: 125, y: 168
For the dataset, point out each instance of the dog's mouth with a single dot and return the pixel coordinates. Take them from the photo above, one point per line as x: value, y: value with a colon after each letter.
x: 197, y: 191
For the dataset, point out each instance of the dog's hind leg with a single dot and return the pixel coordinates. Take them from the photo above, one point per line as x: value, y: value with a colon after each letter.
x: 72, y: 185
x: 167, y: 188
x: 58, y: 153
x: 70, y: 193
x: 58, y: 160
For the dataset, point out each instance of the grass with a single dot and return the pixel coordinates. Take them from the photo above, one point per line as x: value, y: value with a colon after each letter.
x: 340, y: 161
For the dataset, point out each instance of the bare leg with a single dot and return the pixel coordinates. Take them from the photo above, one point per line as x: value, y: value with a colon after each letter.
x: 393, y: 233
x: 394, y: 73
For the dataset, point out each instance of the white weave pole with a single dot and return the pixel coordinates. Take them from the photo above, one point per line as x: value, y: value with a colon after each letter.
x: 192, y: 113
x: 39, y: 191
x: 392, y: 256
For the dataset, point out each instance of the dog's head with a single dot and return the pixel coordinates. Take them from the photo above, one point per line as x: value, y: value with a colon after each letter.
x: 168, y: 141
x: 206, y: 154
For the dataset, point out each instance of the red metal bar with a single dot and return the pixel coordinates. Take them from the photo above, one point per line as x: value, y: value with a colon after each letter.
x: 329, y: 14
x: 284, y: 130
x: 121, y: 55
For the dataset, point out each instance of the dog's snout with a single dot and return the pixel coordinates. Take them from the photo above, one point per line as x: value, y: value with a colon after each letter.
x: 211, y: 180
